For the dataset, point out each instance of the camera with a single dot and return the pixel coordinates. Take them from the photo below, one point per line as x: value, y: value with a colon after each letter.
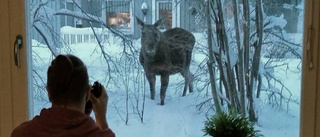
x: 96, y: 91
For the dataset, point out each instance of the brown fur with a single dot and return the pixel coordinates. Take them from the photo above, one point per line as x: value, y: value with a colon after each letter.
x: 166, y: 53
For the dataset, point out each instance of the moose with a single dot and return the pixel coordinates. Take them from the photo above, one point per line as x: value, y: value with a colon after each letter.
x: 165, y: 53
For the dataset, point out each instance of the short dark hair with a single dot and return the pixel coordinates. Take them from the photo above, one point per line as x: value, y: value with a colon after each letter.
x: 67, y: 79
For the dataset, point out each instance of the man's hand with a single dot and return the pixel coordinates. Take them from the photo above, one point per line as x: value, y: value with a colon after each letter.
x: 99, y: 106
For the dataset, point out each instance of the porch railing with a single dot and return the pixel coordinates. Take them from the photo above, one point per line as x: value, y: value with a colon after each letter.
x: 72, y: 35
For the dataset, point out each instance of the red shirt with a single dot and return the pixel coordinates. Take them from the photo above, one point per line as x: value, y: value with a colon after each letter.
x: 61, y: 122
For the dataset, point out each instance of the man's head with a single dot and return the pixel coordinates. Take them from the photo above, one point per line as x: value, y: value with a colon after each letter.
x: 67, y: 80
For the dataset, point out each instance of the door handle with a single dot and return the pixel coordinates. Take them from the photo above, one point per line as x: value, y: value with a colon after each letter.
x: 17, y: 46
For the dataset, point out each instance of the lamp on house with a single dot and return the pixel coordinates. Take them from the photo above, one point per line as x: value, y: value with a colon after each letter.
x: 144, y: 9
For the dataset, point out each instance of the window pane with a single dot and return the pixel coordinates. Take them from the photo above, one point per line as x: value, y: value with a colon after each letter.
x: 112, y: 58
x: 118, y: 14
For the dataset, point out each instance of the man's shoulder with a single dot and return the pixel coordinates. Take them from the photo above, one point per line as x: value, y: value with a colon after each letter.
x: 21, y: 130
x: 103, y: 133
x: 94, y: 130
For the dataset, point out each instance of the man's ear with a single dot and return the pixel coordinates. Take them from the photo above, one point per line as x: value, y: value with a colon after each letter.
x: 140, y: 22
x: 49, y: 94
x: 87, y: 94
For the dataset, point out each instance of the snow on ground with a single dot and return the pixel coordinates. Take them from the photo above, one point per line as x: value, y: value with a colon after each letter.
x: 180, y: 116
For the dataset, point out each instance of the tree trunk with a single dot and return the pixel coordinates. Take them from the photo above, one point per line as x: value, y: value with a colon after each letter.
x: 225, y: 64
x: 241, y: 61
x: 256, y: 60
x: 211, y: 60
x: 246, y: 42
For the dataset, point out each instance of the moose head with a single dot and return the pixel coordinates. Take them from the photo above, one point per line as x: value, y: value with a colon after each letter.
x: 150, y: 36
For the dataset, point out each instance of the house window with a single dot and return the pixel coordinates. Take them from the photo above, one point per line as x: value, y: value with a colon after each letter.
x: 67, y: 20
x: 165, y: 12
x: 118, y: 15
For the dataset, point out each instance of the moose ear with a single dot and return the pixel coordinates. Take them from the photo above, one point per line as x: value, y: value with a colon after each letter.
x: 158, y: 22
x: 140, y: 22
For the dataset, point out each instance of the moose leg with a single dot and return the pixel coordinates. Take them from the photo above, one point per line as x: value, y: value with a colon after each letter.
x: 188, y: 76
x: 164, y: 85
x: 190, y: 81
x: 152, y: 80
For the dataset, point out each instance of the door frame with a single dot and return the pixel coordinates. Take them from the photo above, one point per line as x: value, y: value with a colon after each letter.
x: 14, y: 80
x: 310, y: 91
